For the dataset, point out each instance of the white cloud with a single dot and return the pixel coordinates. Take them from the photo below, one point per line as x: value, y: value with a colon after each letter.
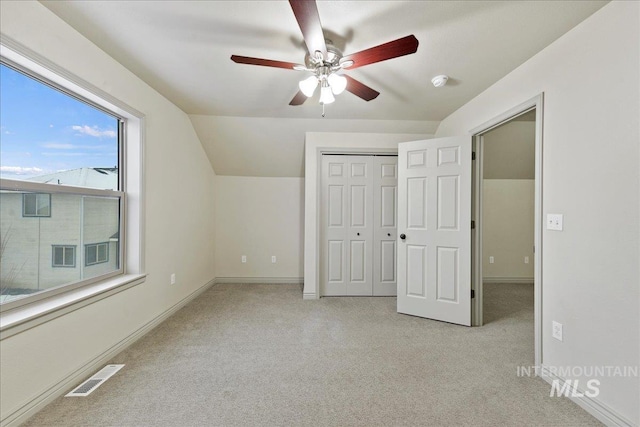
x: 19, y: 170
x: 94, y: 131
x: 65, y: 154
x: 57, y: 146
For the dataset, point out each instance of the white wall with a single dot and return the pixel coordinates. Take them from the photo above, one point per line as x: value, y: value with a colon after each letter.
x: 259, y: 217
x: 238, y: 145
x: 180, y: 231
x: 591, y: 175
x: 508, y: 161
x: 509, y: 151
x: 507, y: 229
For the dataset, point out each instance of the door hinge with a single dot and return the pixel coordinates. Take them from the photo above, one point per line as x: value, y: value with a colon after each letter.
x: 473, y: 225
x: 473, y: 293
x: 473, y: 155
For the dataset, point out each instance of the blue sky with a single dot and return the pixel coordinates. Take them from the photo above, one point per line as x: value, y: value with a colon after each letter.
x: 43, y: 130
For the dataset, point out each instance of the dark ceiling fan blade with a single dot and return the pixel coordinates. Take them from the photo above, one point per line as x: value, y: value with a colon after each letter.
x: 404, y: 46
x: 298, y: 99
x: 360, y: 89
x: 264, y: 62
x: 306, y: 13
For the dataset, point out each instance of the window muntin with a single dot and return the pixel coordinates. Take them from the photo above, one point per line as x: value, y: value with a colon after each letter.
x: 63, y: 256
x: 81, y: 205
x: 96, y: 253
x: 36, y: 205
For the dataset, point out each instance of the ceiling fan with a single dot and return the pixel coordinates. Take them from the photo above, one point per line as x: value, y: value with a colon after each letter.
x: 325, y: 61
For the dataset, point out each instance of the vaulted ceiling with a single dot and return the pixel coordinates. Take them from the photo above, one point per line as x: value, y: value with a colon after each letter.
x: 183, y: 49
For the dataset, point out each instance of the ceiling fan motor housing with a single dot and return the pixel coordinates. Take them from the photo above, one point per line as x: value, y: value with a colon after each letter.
x: 331, y: 61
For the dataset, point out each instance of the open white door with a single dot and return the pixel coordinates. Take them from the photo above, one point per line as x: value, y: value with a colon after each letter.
x: 434, y: 226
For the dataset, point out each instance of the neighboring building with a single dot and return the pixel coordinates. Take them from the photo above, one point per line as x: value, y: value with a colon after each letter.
x: 102, y: 178
x: 54, y: 239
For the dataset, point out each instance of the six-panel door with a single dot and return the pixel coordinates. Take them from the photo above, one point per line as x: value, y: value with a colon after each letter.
x: 358, y: 225
x: 434, y: 215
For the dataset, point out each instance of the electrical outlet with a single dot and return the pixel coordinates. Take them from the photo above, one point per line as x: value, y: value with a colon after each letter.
x: 244, y: 259
x: 554, y: 222
x: 273, y: 259
x: 526, y: 260
x: 491, y: 260
x: 173, y: 278
x: 557, y: 330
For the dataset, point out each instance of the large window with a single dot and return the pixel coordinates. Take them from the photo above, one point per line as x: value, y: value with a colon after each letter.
x: 60, y: 189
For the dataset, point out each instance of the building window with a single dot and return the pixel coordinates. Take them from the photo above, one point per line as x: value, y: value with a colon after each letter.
x: 96, y: 253
x: 75, y: 145
x: 63, y: 256
x: 36, y: 205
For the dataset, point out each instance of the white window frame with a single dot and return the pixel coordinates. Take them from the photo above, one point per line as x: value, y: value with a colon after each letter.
x: 39, y: 188
x: 27, y: 312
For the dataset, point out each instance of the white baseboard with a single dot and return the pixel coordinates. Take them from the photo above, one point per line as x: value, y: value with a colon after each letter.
x: 528, y: 280
x: 266, y: 280
x: 599, y: 410
x: 25, y: 412
x: 310, y: 296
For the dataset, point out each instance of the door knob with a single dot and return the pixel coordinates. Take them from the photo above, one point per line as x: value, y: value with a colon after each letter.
x: 388, y: 234
x: 403, y: 236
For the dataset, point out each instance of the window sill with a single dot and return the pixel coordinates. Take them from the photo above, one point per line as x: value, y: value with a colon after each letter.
x: 20, y: 319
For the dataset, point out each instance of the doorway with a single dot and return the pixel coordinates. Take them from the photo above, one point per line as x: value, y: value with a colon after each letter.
x: 508, y: 178
x: 507, y: 214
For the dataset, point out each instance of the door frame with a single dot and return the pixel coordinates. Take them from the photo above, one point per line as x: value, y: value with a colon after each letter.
x: 476, y: 243
x: 315, y: 144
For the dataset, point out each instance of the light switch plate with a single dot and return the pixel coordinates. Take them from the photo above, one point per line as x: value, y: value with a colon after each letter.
x: 554, y: 222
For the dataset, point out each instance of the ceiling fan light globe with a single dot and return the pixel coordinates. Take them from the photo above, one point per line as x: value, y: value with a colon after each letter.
x: 338, y: 83
x: 326, y: 96
x: 308, y: 86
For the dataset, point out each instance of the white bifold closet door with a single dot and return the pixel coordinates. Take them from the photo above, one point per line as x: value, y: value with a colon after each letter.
x: 358, y: 225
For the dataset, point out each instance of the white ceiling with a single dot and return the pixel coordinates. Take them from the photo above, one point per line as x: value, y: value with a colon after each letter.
x: 182, y: 49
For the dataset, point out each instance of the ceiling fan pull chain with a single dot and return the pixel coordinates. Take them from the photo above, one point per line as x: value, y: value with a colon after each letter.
x: 322, y: 110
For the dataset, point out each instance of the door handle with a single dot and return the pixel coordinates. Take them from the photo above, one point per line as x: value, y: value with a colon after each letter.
x: 403, y: 236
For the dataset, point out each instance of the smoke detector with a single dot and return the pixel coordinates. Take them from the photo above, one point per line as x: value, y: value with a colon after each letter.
x: 439, y: 81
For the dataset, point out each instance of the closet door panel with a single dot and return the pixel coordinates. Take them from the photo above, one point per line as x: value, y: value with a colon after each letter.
x: 385, y: 225
x: 334, y: 225
x: 360, y: 232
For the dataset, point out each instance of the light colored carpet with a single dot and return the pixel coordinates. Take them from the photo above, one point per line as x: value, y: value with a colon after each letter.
x: 243, y: 355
